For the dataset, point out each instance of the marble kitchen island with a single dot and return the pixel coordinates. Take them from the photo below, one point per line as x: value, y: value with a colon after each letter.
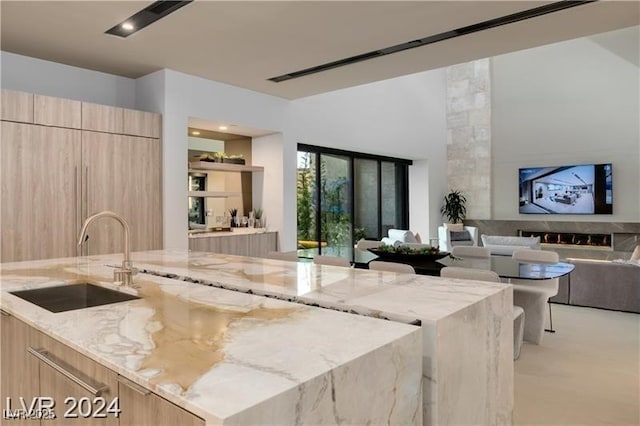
x: 228, y: 357
x: 467, y: 326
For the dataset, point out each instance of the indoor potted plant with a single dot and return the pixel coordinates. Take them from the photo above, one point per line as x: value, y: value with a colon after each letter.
x: 257, y: 215
x: 454, y: 207
x: 233, y: 212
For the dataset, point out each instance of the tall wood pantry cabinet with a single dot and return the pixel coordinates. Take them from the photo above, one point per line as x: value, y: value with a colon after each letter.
x: 61, y: 161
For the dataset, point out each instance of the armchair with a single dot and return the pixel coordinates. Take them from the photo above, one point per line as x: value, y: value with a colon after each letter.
x: 449, y: 238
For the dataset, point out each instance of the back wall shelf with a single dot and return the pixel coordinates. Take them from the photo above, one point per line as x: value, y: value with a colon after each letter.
x: 223, y: 167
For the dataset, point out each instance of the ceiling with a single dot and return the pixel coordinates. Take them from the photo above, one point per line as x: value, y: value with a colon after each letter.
x: 245, y: 43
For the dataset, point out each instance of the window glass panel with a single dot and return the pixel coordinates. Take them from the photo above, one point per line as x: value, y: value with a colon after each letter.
x: 307, y: 196
x: 391, y: 196
x: 335, y: 203
x: 365, y: 194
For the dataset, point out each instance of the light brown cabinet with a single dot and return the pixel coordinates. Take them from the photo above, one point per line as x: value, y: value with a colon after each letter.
x: 53, y: 177
x: 50, y: 111
x: 141, y: 123
x: 40, y: 176
x: 34, y: 364
x: 253, y: 245
x: 122, y: 174
x: 141, y: 407
x: 19, y: 371
x: 102, y: 118
x: 74, y: 382
x: 16, y: 106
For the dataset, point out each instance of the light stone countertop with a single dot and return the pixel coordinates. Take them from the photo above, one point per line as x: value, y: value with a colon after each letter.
x: 257, y: 359
x: 401, y: 297
x: 465, y: 324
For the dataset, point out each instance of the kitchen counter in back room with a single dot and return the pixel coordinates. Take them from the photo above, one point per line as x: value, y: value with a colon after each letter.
x: 226, y: 357
x: 467, y: 326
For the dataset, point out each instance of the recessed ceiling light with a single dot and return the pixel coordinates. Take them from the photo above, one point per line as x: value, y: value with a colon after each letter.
x: 147, y: 16
x: 195, y: 133
x: 222, y: 127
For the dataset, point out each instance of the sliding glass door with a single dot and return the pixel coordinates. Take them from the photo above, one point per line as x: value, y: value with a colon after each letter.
x: 366, y: 198
x: 344, y: 196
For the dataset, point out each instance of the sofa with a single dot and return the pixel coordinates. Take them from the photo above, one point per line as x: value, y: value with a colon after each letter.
x: 506, y: 245
x: 605, y: 285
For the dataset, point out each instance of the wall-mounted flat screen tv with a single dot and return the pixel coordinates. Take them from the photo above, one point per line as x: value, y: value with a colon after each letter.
x: 581, y: 189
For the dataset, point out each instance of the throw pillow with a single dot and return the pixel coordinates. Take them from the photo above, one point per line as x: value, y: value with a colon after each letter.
x: 460, y: 236
x: 418, y: 239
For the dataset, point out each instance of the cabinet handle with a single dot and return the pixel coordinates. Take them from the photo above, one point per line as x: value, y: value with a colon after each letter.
x: 77, y: 207
x: 96, y: 389
x: 134, y: 386
x: 86, y: 204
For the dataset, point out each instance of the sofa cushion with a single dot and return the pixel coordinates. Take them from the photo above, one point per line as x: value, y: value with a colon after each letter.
x: 459, y: 236
x: 506, y: 245
x: 390, y: 242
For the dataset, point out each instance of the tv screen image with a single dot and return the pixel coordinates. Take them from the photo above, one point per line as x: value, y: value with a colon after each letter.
x: 581, y: 189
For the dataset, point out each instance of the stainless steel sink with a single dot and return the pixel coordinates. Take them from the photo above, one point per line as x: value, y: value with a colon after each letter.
x: 73, y: 296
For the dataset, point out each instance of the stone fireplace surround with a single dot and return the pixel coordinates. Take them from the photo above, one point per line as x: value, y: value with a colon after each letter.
x: 624, y: 235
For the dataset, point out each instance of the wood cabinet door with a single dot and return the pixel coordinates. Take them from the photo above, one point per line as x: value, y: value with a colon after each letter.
x: 141, y: 407
x: 16, y: 106
x: 261, y: 244
x: 122, y: 174
x: 141, y: 123
x: 39, y: 184
x: 102, y: 118
x: 75, y: 404
x: 50, y: 111
x: 19, y: 370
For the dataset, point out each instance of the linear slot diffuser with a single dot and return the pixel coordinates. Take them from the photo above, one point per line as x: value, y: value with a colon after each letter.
x: 481, y: 26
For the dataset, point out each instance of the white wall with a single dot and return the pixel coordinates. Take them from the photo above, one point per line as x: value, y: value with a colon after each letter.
x: 185, y: 97
x: 33, y: 75
x: 574, y: 102
x: 269, y: 188
x: 402, y: 117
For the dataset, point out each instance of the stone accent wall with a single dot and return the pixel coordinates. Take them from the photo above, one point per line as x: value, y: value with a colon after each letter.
x: 469, y: 134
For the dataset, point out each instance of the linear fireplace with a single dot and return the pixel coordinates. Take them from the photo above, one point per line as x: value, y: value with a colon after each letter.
x: 572, y: 239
